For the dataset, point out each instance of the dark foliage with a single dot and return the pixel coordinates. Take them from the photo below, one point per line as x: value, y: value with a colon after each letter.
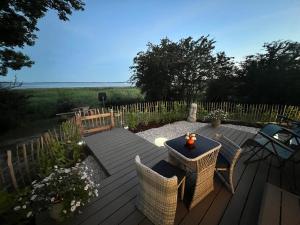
x: 174, y: 70
x: 189, y: 70
x: 179, y: 70
x: 18, y: 24
x: 12, y: 108
x: 272, y: 77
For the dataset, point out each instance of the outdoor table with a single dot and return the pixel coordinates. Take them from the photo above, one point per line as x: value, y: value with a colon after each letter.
x: 200, y: 160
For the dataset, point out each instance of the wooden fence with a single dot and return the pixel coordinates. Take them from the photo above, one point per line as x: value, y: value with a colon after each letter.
x: 18, y: 166
x: 178, y: 110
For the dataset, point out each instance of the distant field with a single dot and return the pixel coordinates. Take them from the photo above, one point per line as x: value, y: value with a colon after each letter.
x: 45, y: 103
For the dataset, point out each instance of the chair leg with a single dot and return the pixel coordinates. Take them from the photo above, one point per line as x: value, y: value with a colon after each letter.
x: 182, y: 189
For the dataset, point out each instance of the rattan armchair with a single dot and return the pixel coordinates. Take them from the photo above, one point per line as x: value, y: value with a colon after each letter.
x: 201, y: 178
x: 226, y: 161
x: 157, y: 195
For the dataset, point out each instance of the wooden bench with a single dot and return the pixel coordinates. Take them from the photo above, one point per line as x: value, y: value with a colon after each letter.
x: 279, y: 207
x: 95, y: 122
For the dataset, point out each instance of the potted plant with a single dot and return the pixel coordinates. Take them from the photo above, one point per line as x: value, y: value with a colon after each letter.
x: 63, y: 192
x: 216, y: 117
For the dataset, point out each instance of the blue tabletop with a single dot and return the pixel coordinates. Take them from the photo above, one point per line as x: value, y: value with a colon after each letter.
x: 202, y: 145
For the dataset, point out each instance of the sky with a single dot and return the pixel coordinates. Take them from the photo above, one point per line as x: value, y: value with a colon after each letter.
x: 99, y: 43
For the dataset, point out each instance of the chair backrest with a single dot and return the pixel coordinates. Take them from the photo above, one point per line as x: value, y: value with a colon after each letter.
x: 271, y: 129
x: 148, y: 178
x: 275, y: 146
x: 157, y: 195
x: 229, y: 150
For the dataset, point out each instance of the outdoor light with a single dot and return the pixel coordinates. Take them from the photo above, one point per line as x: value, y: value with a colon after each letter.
x: 160, y: 141
x: 81, y: 143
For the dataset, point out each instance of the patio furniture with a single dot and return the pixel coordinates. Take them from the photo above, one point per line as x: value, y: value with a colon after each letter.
x: 279, y: 207
x: 281, y: 151
x: 157, y: 191
x: 290, y: 123
x: 200, y: 161
x: 227, y: 158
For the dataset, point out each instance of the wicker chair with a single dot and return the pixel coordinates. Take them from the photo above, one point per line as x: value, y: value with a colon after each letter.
x: 157, y: 195
x: 229, y: 154
x: 201, y: 176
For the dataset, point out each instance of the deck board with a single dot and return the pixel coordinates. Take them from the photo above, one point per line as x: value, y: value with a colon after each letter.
x: 116, y: 149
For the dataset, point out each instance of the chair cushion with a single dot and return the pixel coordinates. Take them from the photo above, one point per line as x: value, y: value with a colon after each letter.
x: 168, y: 170
x: 222, y: 163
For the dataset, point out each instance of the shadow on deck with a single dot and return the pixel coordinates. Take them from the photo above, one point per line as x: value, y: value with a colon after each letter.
x: 116, y: 150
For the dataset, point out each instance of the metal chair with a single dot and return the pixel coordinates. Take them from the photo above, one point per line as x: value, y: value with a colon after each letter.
x: 281, y: 151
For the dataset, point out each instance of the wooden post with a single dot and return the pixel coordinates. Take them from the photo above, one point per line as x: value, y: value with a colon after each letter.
x: 26, y: 161
x: 11, y: 170
x: 112, y: 118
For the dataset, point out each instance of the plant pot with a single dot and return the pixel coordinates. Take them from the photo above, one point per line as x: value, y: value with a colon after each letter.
x: 215, y: 123
x: 55, y: 212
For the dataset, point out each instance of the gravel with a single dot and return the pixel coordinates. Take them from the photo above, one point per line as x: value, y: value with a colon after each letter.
x: 159, y: 135
x: 98, y: 172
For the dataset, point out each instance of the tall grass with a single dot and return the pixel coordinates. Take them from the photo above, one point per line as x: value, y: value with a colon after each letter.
x: 45, y: 103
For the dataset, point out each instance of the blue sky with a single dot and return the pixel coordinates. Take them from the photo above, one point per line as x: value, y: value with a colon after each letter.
x: 100, y: 43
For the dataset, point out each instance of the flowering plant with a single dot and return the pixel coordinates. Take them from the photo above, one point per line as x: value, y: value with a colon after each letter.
x: 72, y: 187
x: 217, y: 114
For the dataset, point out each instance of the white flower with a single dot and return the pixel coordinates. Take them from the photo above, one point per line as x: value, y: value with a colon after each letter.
x: 65, y: 211
x: 24, y: 206
x: 33, y: 197
x: 20, y: 199
x: 77, y: 204
x: 67, y: 170
x: 72, y: 202
x: 73, y: 208
x: 33, y: 182
x: 83, y: 177
x: 86, y: 187
x: 55, y: 167
x: 17, y: 208
x: 52, y: 199
x: 90, y: 193
x: 29, y: 214
x: 96, y: 193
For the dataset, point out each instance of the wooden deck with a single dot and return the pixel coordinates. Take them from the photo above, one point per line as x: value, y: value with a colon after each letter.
x: 116, y: 150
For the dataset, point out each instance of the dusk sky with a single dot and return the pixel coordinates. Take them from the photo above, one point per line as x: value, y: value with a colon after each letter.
x: 99, y: 43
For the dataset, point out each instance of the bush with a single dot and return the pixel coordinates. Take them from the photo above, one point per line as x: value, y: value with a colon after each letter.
x: 12, y: 108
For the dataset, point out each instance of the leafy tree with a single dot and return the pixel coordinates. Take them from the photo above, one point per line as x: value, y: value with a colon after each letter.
x: 222, y: 86
x: 272, y: 77
x: 174, y: 70
x: 18, y: 24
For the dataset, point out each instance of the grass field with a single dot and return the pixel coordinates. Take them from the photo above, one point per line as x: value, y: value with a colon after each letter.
x: 45, y: 103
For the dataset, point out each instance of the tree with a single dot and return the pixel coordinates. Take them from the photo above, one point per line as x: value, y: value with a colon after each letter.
x: 272, y: 77
x: 223, y: 85
x: 174, y: 70
x: 18, y: 24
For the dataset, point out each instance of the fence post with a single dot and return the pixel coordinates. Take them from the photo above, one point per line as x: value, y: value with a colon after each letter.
x: 112, y: 118
x: 11, y: 170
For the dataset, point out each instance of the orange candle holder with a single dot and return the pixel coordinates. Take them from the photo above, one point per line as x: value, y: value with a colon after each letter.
x: 190, y: 139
